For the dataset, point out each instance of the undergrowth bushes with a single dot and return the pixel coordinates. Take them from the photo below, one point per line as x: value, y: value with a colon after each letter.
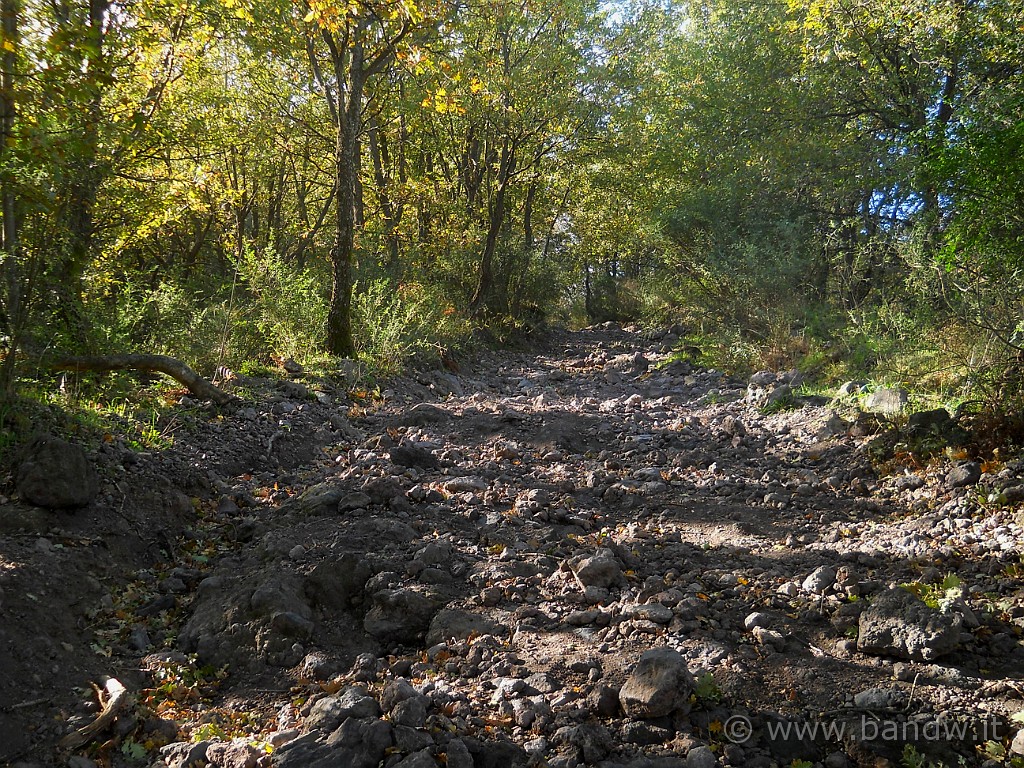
x: 273, y: 310
x: 396, y: 325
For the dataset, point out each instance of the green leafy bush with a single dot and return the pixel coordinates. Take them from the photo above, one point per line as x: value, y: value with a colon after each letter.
x: 394, y: 325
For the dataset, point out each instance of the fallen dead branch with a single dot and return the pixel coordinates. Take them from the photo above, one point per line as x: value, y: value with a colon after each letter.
x: 116, y: 695
x: 170, y: 366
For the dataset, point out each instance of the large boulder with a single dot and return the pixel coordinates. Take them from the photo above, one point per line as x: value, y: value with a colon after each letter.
x: 899, y: 624
x: 56, y: 474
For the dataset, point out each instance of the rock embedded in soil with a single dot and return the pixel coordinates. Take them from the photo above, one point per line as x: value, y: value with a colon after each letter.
x: 820, y: 580
x: 331, y: 711
x: 701, y: 757
x: 962, y: 475
x: 413, y: 456
x: 56, y: 474
x: 899, y: 624
x: 422, y: 415
x: 336, y: 584
x: 660, y: 684
x: 402, y: 615
x: 237, y: 753
x: 601, y: 570
x: 888, y: 401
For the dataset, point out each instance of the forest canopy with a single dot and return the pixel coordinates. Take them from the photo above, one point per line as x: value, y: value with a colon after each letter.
x: 831, y: 184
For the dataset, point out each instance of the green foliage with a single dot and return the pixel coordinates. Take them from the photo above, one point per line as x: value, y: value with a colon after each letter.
x: 706, y: 690
x: 286, y: 306
x: 911, y: 758
x: 938, y: 596
x: 807, y: 184
x: 393, y: 326
x: 789, y: 402
x: 172, y: 319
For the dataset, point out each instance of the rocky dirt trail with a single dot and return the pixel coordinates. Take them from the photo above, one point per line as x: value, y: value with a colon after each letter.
x: 585, y: 556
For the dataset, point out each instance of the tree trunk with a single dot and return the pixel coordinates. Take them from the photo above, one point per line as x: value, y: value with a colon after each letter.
x: 390, y: 208
x: 10, y: 282
x: 485, y: 275
x: 339, y: 317
x: 528, y: 241
x: 87, y: 178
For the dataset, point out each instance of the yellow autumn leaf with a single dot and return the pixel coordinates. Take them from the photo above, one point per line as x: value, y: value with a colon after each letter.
x: 309, y: 16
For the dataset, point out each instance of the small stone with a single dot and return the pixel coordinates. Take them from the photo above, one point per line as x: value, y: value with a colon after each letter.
x: 413, y: 456
x: 878, y: 698
x: 354, y: 501
x: 968, y: 473
x: 396, y: 691
x: 421, y: 759
x: 757, y: 619
x: 604, y: 700
x: 852, y: 388
x: 602, y: 571
x: 458, y: 755
x: 582, y: 618
x: 411, y: 712
x: 820, y: 580
x: 544, y: 682
x: 769, y: 637
x: 656, y: 612
x: 421, y: 415
x: 451, y: 624
x: 789, y: 589
x: 237, y: 753
x: 701, y: 757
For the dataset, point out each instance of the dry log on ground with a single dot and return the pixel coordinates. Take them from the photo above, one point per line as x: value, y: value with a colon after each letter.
x: 171, y: 366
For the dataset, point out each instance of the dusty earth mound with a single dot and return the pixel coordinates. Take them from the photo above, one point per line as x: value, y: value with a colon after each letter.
x: 588, y: 556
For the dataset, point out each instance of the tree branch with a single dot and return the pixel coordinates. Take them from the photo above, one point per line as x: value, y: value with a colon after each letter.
x: 170, y: 366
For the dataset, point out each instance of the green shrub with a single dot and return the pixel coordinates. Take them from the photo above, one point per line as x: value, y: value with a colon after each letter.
x: 287, y: 307
x: 394, y: 325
